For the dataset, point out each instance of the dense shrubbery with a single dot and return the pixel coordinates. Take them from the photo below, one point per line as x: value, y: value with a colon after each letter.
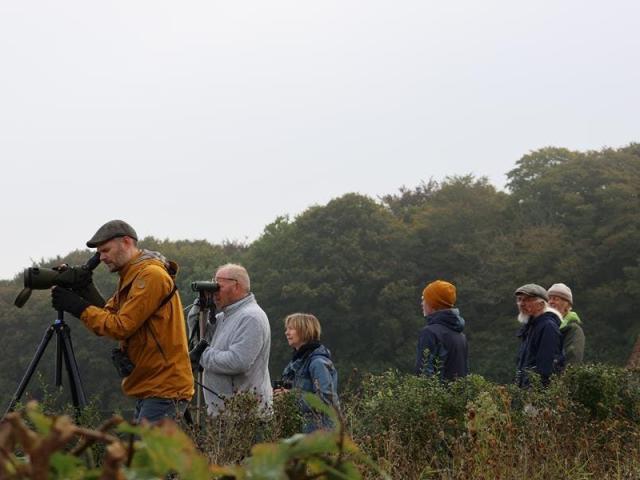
x: 605, y: 391
x: 585, y: 425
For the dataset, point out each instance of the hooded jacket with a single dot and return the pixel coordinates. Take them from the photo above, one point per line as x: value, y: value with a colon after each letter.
x: 572, y: 338
x: 442, y: 347
x: 540, y: 348
x: 152, y: 335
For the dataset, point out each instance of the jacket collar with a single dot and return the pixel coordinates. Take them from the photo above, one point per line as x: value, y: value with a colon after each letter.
x: 229, y: 309
x: 548, y: 312
x: 124, y: 272
x: 570, y: 317
x: 305, y: 350
x: 449, y: 317
x: 142, y: 258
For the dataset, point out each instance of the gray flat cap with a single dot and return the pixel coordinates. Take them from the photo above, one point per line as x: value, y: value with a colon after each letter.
x: 112, y: 229
x: 533, y: 290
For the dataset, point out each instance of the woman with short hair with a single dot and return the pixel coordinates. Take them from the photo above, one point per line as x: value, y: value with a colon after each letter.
x: 310, y: 369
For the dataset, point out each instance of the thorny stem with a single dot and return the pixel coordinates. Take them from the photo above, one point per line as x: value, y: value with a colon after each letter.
x: 92, y: 436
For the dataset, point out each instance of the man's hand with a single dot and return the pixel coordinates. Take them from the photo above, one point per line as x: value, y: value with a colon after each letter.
x: 196, y: 353
x: 66, y: 300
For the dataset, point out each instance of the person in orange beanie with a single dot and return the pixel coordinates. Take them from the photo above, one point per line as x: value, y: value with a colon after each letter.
x: 442, y: 345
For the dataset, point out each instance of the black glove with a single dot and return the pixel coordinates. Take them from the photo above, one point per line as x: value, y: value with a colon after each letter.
x: 91, y: 294
x: 73, y: 277
x: 63, y: 299
x: 196, y: 353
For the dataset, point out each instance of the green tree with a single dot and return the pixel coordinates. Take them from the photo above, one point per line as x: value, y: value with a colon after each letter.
x: 344, y: 263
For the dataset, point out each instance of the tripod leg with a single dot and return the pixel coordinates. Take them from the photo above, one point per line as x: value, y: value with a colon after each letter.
x: 202, y: 322
x: 31, y: 368
x: 199, y: 395
x: 59, y: 357
x: 77, y: 392
x: 59, y: 323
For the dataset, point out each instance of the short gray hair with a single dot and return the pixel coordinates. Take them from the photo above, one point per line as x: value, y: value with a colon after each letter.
x: 238, y: 273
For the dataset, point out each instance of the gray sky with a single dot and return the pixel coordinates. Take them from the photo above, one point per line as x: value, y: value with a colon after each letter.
x: 208, y: 119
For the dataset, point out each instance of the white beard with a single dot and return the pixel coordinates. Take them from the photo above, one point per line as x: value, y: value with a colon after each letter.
x: 523, y: 318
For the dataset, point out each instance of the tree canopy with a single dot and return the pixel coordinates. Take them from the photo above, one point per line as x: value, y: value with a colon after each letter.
x: 359, y: 264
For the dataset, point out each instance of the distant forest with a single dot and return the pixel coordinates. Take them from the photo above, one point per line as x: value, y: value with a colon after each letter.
x: 360, y: 264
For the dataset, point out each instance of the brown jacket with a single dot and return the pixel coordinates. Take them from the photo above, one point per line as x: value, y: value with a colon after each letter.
x: 134, y: 316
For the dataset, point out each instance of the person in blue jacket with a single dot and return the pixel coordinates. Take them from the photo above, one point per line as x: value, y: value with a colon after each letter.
x: 540, y: 338
x: 310, y: 369
x: 442, y: 347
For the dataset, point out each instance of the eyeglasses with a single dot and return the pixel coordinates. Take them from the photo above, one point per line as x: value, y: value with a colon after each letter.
x: 224, y: 278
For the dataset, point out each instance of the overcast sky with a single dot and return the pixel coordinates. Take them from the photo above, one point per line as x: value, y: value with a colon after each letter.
x: 208, y: 119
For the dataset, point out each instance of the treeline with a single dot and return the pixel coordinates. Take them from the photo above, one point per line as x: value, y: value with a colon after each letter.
x: 360, y: 264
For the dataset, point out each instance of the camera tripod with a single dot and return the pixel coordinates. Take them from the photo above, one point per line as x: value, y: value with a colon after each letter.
x: 64, y: 351
x: 206, y: 308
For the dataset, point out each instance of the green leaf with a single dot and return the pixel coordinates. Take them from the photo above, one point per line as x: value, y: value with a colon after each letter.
x: 166, y: 448
x: 41, y: 422
x: 67, y: 466
x: 316, y: 403
x: 268, y: 461
x: 318, y: 442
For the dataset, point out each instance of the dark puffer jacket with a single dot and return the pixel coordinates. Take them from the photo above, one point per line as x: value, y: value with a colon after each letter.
x: 442, y: 347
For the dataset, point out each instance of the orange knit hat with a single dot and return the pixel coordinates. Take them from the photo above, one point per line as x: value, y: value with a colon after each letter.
x: 439, y: 295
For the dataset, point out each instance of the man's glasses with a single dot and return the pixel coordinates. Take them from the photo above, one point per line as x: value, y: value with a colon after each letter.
x: 224, y: 278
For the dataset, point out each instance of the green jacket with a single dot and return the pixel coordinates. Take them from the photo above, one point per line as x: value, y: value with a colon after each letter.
x: 572, y: 338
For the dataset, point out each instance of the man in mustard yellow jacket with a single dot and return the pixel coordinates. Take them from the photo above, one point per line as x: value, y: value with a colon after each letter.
x: 145, y: 315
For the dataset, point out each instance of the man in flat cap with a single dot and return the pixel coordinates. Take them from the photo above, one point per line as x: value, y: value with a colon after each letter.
x: 145, y: 315
x: 540, y: 340
x: 442, y: 347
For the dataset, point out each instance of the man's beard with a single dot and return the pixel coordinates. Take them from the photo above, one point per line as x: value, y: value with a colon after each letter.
x: 523, y: 318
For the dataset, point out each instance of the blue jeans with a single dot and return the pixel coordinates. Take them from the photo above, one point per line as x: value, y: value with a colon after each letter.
x: 154, y: 409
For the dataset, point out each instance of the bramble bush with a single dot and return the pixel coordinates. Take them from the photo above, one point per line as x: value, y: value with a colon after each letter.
x: 399, y: 418
x: 605, y: 391
x: 584, y: 425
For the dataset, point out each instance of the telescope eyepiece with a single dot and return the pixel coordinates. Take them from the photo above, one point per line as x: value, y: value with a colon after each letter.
x: 93, y: 262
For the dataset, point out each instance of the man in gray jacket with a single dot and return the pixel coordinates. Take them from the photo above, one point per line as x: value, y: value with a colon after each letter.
x: 237, y: 357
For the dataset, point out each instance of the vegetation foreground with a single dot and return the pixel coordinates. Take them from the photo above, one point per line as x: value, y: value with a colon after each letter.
x: 585, y: 425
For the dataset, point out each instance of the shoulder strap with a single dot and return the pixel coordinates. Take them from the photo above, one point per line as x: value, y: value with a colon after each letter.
x: 146, y: 323
x: 168, y: 297
x: 162, y: 304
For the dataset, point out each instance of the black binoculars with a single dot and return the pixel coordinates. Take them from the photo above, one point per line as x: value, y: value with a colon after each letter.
x: 204, y: 286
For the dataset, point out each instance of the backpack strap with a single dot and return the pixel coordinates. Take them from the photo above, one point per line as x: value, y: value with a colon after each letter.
x: 162, y: 304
